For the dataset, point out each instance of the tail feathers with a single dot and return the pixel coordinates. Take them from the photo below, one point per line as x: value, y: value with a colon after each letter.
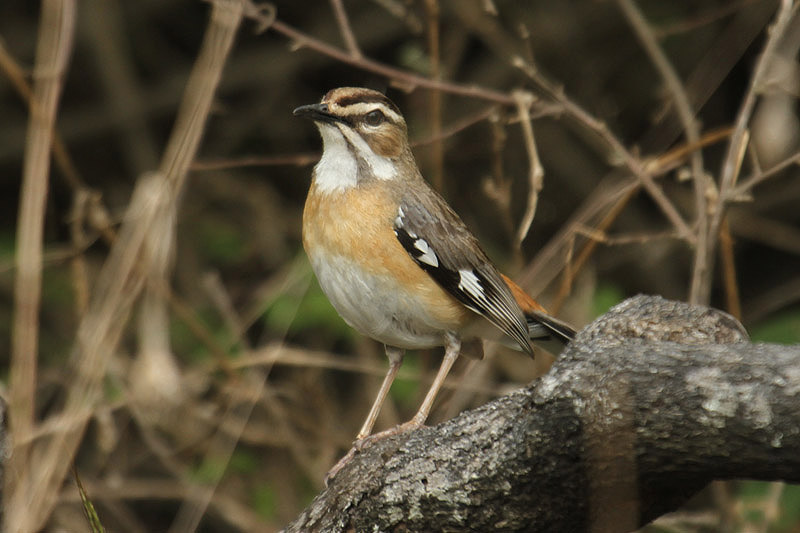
x: 543, y: 328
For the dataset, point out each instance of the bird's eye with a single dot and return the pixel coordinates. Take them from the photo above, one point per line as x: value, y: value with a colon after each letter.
x: 374, y: 118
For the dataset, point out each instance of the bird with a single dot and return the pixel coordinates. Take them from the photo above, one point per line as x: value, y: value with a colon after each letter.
x: 393, y: 258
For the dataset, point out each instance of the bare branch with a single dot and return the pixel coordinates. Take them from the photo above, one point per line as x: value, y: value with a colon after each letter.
x: 407, y: 79
x: 122, y: 279
x: 52, y: 53
x: 435, y: 97
x: 703, y: 185
x: 738, y: 142
x: 535, y: 172
x: 617, y: 149
x: 345, y: 29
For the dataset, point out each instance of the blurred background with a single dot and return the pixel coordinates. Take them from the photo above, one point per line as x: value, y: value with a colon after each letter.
x: 234, y: 385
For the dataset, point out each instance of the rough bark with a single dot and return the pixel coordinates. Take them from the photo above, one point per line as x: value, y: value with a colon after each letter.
x: 650, y: 403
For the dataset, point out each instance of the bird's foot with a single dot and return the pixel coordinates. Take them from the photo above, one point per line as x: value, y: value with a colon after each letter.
x: 365, y: 442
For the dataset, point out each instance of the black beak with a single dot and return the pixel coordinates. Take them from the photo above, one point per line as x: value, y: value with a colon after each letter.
x: 317, y: 113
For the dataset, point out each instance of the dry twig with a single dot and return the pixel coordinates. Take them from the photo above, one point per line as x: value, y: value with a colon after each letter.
x: 53, y: 49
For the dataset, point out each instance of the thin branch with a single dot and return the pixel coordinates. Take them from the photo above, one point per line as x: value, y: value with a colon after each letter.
x: 304, y: 159
x: 728, y: 260
x: 250, y: 389
x: 774, y: 233
x: 702, y: 184
x: 607, y: 201
x: 637, y: 237
x: 407, y: 79
x: 575, y: 267
x: 618, y: 150
x: 457, y: 126
x: 664, y: 162
x: 656, y: 166
x: 122, y: 277
x: 738, y: 141
x: 299, y: 160
x: 705, y: 18
x: 104, y: 23
x: 412, y: 80
x: 345, y: 29
x: 53, y: 48
x: 90, y: 209
x: 80, y: 271
x: 535, y: 172
x: 98, y: 215
x: 497, y: 186
x: 435, y: 97
x: 746, y: 186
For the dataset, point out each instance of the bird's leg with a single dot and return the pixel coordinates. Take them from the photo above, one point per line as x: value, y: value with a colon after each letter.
x: 452, y: 348
x: 451, y: 351
x: 395, y: 356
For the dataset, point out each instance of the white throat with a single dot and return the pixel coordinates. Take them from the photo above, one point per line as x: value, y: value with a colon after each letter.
x: 337, y: 169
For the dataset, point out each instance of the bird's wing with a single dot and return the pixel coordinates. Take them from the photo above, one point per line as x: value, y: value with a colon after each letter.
x: 439, y: 242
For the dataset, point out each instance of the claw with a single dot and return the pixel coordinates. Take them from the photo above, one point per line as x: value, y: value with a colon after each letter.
x: 362, y: 444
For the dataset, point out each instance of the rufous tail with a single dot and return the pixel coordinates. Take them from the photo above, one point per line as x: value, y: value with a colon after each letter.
x: 541, y: 326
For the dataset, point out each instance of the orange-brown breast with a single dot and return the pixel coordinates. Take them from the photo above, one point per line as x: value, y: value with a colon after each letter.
x: 358, y: 224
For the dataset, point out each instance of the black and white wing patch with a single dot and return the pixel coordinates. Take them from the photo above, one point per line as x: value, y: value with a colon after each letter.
x: 415, y: 245
x: 451, y: 255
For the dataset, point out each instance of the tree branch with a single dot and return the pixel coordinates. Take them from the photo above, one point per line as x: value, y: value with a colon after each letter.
x: 650, y: 403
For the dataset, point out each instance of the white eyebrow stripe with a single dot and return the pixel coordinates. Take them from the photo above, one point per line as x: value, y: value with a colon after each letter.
x: 362, y: 108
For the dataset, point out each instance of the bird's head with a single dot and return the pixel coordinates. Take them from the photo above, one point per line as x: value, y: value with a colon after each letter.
x: 364, y: 136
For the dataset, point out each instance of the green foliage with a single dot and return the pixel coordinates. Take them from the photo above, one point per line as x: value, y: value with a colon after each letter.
x: 209, y: 471
x: 605, y: 297
x: 783, y: 328
x: 313, y: 312
x: 754, y: 496
x: 244, y: 462
x: 265, y: 501
x: 306, y: 490
x: 88, y: 508
x: 7, y: 246
x: 186, y: 342
x: 113, y: 390
x: 221, y: 241
x: 789, y: 518
x: 57, y: 289
x: 412, y: 56
x: 404, y: 391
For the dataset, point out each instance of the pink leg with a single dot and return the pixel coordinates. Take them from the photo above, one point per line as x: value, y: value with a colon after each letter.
x: 395, y: 356
x: 451, y: 351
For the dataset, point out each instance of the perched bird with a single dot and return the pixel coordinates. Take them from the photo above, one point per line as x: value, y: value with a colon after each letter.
x: 393, y: 258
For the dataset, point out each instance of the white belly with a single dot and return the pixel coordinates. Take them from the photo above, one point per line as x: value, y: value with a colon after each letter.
x: 375, y: 306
